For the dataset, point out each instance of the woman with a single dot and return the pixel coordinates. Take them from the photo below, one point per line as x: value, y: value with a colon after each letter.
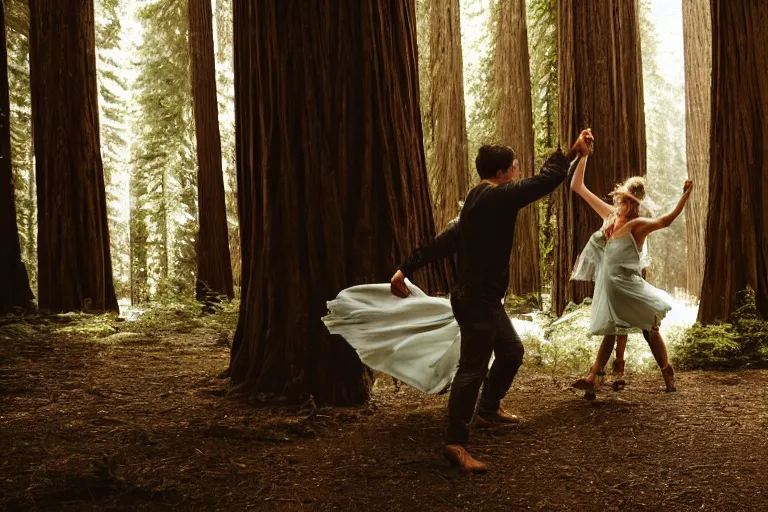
x: 613, y: 258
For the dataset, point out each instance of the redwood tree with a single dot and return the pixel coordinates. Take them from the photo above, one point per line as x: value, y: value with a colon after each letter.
x: 697, y: 39
x: 214, y: 268
x: 15, y: 290
x: 600, y: 85
x: 514, y: 127
x: 737, y: 223
x: 75, y: 270
x: 332, y: 182
x: 449, y: 178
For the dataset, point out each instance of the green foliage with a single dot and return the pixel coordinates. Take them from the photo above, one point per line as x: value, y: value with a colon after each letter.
x: 181, y: 313
x: 113, y: 111
x: 665, y: 137
x: 742, y: 342
x: 542, y: 48
x: 17, y: 28
x: 478, y: 90
x: 94, y: 327
x: 517, y: 304
x: 547, y: 232
x: 164, y: 174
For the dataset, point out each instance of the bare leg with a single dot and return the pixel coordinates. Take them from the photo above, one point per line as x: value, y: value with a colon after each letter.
x: 621, y: 346
x: 618, y: 363
x: 659, y: 351
x: 590, y: 382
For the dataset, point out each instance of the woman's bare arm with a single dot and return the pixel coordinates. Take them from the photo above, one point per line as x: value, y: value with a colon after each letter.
x: 643, y: 227
x: 577, y: 185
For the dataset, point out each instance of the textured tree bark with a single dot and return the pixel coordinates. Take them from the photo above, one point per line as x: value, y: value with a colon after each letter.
x: 332, y: 183
x: 15, y: 291
x: 514, y: 127
x: 737, y: 222
x: 697, y: 39
x: 601, y: 86
x: 75, y: 270
x: 214, y: 267
x: 449, y: 178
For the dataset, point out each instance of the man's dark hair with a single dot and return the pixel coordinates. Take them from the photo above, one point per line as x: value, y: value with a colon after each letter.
x: 493, y: 158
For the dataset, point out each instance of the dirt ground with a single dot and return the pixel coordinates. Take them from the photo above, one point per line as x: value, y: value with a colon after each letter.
x: 140, y: 422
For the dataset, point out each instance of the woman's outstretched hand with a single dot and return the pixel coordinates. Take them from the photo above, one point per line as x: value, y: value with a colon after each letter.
x: 397, y: 285
x: 687, y: 187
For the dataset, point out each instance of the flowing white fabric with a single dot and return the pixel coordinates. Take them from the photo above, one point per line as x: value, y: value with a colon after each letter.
x: 416, y: 340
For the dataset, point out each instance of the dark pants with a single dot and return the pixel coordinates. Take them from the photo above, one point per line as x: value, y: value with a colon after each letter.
x: 485, y: 329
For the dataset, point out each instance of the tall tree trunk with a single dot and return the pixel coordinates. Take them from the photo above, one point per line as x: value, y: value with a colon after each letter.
x: 214, y: 268
x: 163, y: 226
x: 15, y: 290
x: 600, y: 85
x: 514, y: 127
x: 139, y: 235
x: 449, y: 177
x: 75, y: 270
x: 697, y: 39
x: 737, y: 223
x: 332, y: 181
x: 30, y: 226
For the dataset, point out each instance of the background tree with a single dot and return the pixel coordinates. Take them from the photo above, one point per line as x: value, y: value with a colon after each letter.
x: 214, y: 268
x: 737, y: 222
x: 697, y: 39
x: 542, y: 44
x: 15, y: 291
x: 225, y: 84
x: 330, y: 195
x: 139, y: 234
x: 600, y: 85
x: 514, y: 127
x: 664, y: 117
x: 74, y: 263
x: 446, y: 146
x: 112, y: 123
x: 480, y: 101
x: 17, y: 24
x: 165, y: 171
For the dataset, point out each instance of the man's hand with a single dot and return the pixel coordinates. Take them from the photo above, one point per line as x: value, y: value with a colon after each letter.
x: 583, y: 145
x: 397, y: 285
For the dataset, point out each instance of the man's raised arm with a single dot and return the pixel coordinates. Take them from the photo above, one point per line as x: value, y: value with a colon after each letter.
x: 553, y: 172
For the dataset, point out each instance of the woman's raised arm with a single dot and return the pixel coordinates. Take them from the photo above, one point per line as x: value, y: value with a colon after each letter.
x: 643, y: 227
x: 602, y: 208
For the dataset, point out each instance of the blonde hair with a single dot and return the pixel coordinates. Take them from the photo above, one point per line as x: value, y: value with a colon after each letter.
x: 630, y: 193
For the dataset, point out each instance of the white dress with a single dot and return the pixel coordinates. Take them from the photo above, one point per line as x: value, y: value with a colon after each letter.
x: 623, y: 302
x: 416, y: 340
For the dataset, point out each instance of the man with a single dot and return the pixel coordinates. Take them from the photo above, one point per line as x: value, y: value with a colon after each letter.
x: 482, y: 238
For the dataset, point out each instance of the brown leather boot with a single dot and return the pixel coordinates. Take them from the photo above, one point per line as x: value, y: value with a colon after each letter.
x: 460, y: 457
x: 500, y: 416
x: 669, y: 378
x: 618, y: 375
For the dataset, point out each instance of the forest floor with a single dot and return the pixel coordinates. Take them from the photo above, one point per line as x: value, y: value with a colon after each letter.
x: 110, y: 416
